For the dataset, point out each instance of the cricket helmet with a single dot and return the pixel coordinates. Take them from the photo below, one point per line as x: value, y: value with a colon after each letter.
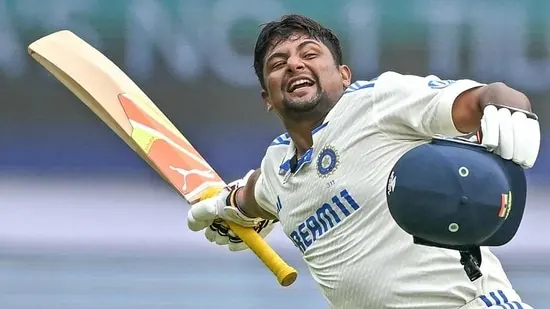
x: 455, y: 194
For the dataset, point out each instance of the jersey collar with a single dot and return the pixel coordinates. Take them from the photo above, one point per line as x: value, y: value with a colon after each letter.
x: 306, y: 158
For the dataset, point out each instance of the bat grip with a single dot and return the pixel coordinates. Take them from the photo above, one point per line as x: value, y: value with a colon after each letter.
x: 286, y: 275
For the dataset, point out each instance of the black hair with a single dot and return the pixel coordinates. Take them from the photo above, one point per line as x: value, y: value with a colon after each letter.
x: 275, y: 32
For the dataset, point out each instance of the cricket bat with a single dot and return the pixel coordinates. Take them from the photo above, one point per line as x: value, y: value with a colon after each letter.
x: 127, y: 110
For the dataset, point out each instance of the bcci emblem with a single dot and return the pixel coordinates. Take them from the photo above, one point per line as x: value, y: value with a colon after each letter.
x: 327, y: 161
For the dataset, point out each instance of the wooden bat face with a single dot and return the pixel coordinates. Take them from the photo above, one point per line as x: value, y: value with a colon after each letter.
x: 171, y: 153
x: 127, y: 110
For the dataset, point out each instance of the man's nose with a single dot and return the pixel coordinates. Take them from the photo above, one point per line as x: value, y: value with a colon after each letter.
x: 294, y: 64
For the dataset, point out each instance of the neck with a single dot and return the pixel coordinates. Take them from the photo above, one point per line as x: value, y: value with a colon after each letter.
x: 299, y: 125
x: 300, y: 131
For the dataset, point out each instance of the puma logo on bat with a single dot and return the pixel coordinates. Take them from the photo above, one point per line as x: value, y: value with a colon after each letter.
x: 185, y: 173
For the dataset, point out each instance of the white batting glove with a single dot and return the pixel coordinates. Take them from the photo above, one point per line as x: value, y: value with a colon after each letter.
x: 511, y: 133
x: 209, y: 215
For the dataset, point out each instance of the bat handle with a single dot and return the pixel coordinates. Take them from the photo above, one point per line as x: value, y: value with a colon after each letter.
x: 286, y: 275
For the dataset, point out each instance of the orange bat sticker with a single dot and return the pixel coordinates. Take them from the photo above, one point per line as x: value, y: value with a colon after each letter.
x: 173, y: 155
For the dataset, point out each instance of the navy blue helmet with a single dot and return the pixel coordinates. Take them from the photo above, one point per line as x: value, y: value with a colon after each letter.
x: 455, y: 194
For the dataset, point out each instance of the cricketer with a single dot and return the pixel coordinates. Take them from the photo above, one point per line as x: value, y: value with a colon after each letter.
x: 325, y: 179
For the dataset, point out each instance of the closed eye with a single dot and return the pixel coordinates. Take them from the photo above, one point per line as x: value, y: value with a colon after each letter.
x: 310, y: 56
x: 277, y: 65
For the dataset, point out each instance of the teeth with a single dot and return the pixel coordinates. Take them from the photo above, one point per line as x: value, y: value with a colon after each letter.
x: 299, y: 83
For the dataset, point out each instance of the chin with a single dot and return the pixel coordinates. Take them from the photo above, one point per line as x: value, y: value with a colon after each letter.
x: 302, y: 105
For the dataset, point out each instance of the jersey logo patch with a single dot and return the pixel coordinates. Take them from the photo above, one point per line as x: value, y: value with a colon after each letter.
x: 440, y: 84
x: 327, y: 161
x: 391, y: 183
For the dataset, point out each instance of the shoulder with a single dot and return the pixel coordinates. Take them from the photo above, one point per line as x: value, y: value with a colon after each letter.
x: 384, y: 80
x: 278, y: 148
x: 359, y: 91
x: 280, y: 141
x: 360, y: 85
x: 391, y: 79
x: 275, y: 153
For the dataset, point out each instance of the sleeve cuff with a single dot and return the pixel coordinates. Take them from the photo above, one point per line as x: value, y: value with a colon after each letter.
x: 261, y: 197
x: 444, y: 117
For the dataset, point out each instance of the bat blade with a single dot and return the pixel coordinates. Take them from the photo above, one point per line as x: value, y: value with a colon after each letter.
x: 130, y: 113
x: 172, y: 154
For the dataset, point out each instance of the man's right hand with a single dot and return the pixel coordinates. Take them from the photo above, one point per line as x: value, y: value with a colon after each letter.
x: 209, y: 215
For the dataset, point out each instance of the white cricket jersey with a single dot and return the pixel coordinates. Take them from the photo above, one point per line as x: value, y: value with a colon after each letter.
x: 334, y: 208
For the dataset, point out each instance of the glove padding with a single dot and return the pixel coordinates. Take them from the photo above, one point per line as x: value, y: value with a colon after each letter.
x: 218, y: 232
x: 209, y: 215
x: 511, y: 133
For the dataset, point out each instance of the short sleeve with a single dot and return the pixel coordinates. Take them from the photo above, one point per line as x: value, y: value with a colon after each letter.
x: 263, y: 191
x: 408, y: 105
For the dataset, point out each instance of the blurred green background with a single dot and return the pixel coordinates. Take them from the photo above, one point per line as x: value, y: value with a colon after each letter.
x: 84, y: 223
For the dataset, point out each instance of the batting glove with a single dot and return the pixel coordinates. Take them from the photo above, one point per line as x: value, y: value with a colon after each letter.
x: 209, y: 215
x: 511, y: 133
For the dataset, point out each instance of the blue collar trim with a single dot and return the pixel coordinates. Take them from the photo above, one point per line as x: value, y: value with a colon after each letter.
x: 305, y: 159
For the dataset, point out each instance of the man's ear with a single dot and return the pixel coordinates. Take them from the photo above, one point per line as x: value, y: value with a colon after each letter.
x: 345, y: 73
x: 265, y: 98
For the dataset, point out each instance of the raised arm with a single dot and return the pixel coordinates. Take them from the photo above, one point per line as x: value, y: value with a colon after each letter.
x: 468, y: 107
x: 414, y: 108
x: 503, y: 120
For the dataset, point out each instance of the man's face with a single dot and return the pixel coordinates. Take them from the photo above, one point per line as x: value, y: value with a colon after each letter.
x: 300, y: 73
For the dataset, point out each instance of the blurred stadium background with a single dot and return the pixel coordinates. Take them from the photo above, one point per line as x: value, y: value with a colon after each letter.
x: 85, y: 224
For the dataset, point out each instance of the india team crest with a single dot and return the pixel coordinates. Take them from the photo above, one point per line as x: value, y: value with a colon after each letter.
x: 327, y: 161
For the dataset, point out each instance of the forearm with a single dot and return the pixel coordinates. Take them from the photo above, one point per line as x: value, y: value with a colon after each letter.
x: 468, y: 111
x: 246, y: 201
x: 499, y: 93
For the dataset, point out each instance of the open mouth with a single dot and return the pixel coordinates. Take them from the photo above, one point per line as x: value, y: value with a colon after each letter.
x: 298, y: 83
